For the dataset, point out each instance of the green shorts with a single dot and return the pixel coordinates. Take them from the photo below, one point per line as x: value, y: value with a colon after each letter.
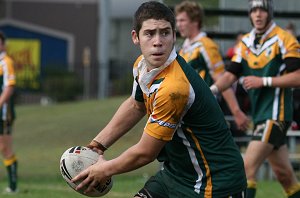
x: 272, y: 132
x: 163, y: 186
x: 6, y: 127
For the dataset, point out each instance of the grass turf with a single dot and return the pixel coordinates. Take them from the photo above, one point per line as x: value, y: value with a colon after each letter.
x: 43, y: 133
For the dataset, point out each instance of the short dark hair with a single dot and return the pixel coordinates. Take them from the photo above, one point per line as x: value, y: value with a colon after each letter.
x: 152, y: 10
x: 2, y: 37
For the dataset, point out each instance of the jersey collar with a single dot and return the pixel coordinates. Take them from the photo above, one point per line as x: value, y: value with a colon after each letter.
x: 253, y: 32
x: 146, y: 77
x: 188, y: 42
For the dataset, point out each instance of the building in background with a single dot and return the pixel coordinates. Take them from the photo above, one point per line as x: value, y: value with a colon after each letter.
x: 45, y: 34
x: 65, y: 34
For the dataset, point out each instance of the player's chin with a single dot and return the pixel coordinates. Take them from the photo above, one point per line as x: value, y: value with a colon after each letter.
x: 158, y: 60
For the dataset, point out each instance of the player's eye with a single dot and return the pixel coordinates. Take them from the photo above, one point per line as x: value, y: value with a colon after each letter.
x: 149, y: 33
x: 165, y: 33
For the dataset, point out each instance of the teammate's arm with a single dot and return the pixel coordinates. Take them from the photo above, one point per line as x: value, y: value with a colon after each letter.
x: 223, y: 82
x: 288, y: 80
x: 129, y: 113
x: 240, y: 117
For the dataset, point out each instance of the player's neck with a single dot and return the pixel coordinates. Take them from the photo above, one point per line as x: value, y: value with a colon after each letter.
x: 262, y: 31
x: 193, y: 35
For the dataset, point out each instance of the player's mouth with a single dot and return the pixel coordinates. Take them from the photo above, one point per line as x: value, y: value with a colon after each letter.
x: 157, y: 54
x: 258, y: 22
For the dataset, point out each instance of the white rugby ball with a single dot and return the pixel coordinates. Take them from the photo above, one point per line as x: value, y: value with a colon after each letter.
x: 76, y: 159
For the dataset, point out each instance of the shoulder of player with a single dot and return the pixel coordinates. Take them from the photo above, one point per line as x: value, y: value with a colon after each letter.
x: 245, y: 37
x: 170, y: 89
x: 174, y: 80
x: 283, y: 34
x: 206, y: 41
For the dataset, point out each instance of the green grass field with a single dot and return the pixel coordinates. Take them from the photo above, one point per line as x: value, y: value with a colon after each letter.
x: 43, y: 133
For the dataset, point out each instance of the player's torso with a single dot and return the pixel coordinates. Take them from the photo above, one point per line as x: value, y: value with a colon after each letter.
x: 7, y: 77
x: 196, y: 147
x: 7, y: 72
x: 266, y: 60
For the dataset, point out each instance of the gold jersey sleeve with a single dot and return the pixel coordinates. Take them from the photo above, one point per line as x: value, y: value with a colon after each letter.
x: 167, y: 103
x: 7, y: 71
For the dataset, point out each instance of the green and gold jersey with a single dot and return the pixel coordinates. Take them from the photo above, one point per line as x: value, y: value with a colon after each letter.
x: 203, y: 55
x: 266, y: 59
x: 200, y: 153
x: 7, y: 78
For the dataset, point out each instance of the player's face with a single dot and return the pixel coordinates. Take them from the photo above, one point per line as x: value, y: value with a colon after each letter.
x: 184, y: 24
x: 259, y: 19
x: 156, y: 40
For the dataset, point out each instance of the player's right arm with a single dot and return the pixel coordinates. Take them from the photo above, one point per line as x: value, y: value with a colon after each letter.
x: 128, y: 115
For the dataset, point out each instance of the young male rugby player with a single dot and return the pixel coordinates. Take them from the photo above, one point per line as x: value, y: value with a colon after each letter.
x: 185, y: 129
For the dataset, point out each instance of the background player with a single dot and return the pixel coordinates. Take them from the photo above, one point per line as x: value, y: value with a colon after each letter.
x: 203, y: 54
x: 186, y: 128
x: 268, y: 57
x: 7, y: 113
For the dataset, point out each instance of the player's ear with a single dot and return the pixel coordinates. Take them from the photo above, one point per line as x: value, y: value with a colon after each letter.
x: 135, y: 37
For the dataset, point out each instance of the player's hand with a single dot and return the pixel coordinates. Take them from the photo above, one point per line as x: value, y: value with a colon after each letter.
x: 242, y: 121
x: 252, y: 82
x: 92, y: 177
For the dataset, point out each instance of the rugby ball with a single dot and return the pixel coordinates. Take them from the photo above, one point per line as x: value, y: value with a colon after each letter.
x: 76, y: 159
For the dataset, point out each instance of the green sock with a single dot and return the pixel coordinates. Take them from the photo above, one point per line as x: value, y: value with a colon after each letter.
x: 11, y: 166
x: 251, y: 192
x: 295, y: 195
x: 251, y: 189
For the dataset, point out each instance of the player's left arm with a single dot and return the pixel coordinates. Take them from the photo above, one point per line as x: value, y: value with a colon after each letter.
x: 291, y: 58
x: 290, y: 79
x: 6, y: 94
x: 285, y: 81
